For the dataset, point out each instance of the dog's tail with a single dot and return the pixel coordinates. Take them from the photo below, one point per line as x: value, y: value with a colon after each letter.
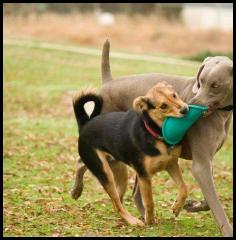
x: 80, y: 99
x: 105, y: 66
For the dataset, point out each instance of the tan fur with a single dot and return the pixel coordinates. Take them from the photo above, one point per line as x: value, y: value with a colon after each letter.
x: 161, y: 93
x: 175, y: 173
x: 167, y: 161
x: 145, y: 185
x: 121, y: 183
x: 84, y: 92
x: 161, y: 146
x: 162, y: 162
x: 111, y: 190
x: 140, y: 104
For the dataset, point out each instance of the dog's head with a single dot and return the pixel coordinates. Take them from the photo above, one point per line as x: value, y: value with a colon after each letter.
x: 160, y: 102
x: 214, y: 83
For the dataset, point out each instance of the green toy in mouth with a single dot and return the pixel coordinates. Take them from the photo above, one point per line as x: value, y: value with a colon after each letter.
x: 174, y: 129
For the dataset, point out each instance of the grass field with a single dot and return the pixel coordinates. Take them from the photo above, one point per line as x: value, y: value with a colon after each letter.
x: 40, y: 135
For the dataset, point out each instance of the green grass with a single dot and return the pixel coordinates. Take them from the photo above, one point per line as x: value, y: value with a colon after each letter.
x: 40, y: 153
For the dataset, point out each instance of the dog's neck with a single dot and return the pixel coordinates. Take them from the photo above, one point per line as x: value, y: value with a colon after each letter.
x: 151, y: 127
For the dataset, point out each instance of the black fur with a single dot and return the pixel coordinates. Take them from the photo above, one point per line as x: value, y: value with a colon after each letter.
x: 122, y: 134
x: 151, y: 123
x: 80, y: 113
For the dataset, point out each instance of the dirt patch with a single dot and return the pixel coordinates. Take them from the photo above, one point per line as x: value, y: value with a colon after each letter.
x: 136, y: 33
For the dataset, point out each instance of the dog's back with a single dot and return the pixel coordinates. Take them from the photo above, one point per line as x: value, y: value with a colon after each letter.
x: 122, y: 135
x: 117, y: 133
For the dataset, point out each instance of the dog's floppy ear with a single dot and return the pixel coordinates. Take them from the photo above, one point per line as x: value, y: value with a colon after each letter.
x: 196, y: 84
x: 143, y: 103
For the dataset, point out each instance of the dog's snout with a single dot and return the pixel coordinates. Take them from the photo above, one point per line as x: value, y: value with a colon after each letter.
x: 184, y: 110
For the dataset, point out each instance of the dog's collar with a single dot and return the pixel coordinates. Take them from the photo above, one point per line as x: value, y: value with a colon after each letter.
x: 151, y: 131
x: 152, y: 128
x: 226, y: 108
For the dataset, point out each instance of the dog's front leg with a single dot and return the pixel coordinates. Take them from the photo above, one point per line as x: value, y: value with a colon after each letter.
x: 202, y: 172
x: 146, y: 193
x: 175, y: 172
x: 195, y: 205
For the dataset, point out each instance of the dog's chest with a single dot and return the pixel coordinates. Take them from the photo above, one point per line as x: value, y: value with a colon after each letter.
x: 154, y: 164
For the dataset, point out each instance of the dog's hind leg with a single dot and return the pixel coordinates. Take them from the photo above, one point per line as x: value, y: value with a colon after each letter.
x: 111, y: 190
x: 78, y: 185
x: 146, y: 193
x: 120, y: 172
x: 97, y: 163
x: 137, y: 197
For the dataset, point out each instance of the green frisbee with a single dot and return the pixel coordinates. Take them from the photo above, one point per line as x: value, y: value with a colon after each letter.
x: 174, y: 129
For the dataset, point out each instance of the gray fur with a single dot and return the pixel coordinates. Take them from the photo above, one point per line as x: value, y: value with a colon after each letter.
x: 203, y: 139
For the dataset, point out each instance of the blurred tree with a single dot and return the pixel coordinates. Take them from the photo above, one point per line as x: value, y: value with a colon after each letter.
x: 142, y: 8
x: 62, y: 7
x: 171, y: 11
x: 86, y: 7
x: 111, y: 7
x: 19, y: 8
x: 131, y: 8
x: 168, y: 10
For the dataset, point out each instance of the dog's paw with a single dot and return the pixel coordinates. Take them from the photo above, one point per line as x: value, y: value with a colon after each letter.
x: 196, y: 206
x: 150, y: 221
x: 176, y: 208
x: 76, y: 192
x: 134, y: 221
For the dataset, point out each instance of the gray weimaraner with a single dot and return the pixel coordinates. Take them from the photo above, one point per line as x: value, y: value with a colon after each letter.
x: 213, y: 87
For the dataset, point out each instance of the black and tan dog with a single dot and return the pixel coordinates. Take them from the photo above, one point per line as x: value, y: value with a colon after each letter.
x: 134, y: 138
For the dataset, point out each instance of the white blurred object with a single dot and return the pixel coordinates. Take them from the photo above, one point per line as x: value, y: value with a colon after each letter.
x: 105, y: 18
x: 208, y: 16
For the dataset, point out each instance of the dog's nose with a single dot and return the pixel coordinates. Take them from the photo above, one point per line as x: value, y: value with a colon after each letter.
x: 184, y: 110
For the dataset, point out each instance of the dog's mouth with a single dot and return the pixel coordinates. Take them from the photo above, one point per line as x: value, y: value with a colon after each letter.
x: 211, y: 108
x: 179, y: 113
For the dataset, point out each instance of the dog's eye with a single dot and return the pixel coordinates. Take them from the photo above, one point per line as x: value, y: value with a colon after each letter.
x: 163, y: 106
x: 214, y: 85
x: 174, y: 95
